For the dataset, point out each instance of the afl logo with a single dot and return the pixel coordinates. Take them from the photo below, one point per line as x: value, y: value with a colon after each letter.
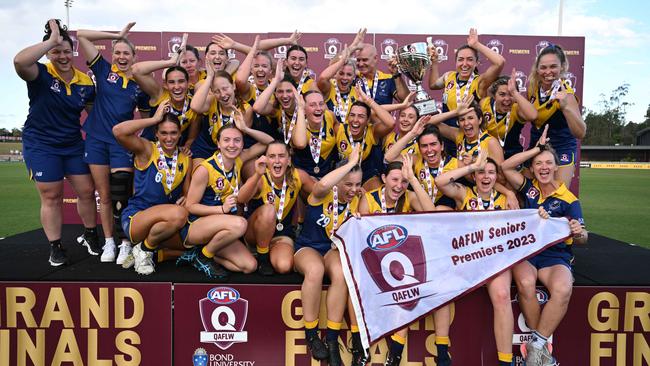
x: 387, y: 237
x: 223, y: 295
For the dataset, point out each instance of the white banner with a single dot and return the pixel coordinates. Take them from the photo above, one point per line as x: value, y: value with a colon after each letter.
x: 399, y: 267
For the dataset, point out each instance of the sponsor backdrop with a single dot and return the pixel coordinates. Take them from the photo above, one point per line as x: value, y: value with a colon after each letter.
x: 78, y: 324
x: 256, y: 325
x: 519, y: 52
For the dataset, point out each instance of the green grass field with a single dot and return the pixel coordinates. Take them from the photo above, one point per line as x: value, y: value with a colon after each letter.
x: 615, y: 202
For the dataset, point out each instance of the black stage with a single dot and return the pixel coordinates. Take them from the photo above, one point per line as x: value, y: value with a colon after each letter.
x: 23, y: 257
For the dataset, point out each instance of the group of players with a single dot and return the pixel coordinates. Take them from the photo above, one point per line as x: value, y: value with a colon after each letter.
x: 234, y: 159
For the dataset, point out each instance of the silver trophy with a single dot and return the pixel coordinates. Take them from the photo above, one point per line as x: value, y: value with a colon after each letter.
x: 413, y: 61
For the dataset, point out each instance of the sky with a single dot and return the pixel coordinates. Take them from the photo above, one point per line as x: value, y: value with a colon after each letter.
x: 617, y: 37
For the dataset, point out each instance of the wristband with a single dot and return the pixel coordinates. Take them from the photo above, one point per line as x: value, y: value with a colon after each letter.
x: 542, y: 147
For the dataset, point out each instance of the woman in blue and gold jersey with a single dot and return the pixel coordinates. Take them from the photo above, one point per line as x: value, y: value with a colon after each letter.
x: 174, y: 88
x: 214, y: 227
x: 465, y: 80
x: 484, y: 196
x: 215, y: 98
x: 552, y: 267
x: 557, y: 107
x: 505, y: 112
x: 336, y: 84
x: 296, y: 69
x: 274, y: 188
x: 432, y: 162
x: 155, y: 213
x: 471, y: 136
x: 391, y: 197
x: 406, y: 120
x: 53, y: 147
x: 333, y: 199
x: 111, y: 164
x: 190, y: 60
x: 360, y: 131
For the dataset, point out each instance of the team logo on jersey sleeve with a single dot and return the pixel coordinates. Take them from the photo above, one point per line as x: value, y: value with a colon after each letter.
x: 223, y: 316
x: 174, y: 45
x: 388, y: 48
x: 396, y: 263
x: 441, y: 49
x: 332, y: 47
x: 496, y: 46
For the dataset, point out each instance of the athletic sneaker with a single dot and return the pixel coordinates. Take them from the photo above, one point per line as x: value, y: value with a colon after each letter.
x: 394, y: 360
x: 91, y: 243
x: 108, y: 253
x: 209, y: 267
x: 125, y: 250
x: 57, y: 256
x: 317, y: 348
x: 129, y: 261
x: 359, y: 357
x: 143, y: 260
x: 188, y: 256
x: 334, y: 354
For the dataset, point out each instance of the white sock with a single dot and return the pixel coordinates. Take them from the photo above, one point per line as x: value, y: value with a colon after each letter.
x: 109, y: 241
x: 538, y: 340
x: 126, y: 242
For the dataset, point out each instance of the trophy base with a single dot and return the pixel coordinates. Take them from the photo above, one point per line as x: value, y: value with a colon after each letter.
x: 426, y: 107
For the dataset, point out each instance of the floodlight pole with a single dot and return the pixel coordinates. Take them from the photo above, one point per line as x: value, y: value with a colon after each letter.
x: 68, y: 5
x: 559, y: 19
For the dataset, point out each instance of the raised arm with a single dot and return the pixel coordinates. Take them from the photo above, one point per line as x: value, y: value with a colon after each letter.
x: 143, y: 71
x: 325, y: 185
x: 25, y: 61
x: 509, y: 167
x: 525, y: 110
x: 299, y: 136
x: 571, y: 110
x: 253, y: 183
x: 241, y: 80
x: 384, y: 122
x: 87, y: 37
x: 436, y: 82
x: 323, y: 83
x: 446, y: 182
x: 401, y: 89
x: 126, y: 133
x: 423, y: 202
x: 395, y: 152
x: 496, y: 62
x: 227, y: 43
x: 202, y: 99
x: 263, y: 103
x: 447, y: 131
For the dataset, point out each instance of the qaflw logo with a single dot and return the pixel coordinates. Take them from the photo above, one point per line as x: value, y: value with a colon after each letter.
x: 397, y: 264
x: 223, y: 314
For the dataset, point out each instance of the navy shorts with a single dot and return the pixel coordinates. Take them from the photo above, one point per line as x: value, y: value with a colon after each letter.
x: 552, y: 256
x: 98, y: 152
x: 51, y: 164
x: 567, y: 157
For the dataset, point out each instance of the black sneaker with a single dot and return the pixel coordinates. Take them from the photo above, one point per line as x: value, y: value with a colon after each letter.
x: 57, y: 256
x: 393, y: 360
x: 359, y: 357
x: 187, y: 258
x: 91, y: 243
x: 209, y: 267
x: 334, y: 353
x: 317, y: 348
x: 264, y: 266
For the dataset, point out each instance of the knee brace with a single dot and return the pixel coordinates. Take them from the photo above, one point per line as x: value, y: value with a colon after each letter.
x: 121, y: 184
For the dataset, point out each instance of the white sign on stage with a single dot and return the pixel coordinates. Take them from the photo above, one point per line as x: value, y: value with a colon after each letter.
x: 399, y: 267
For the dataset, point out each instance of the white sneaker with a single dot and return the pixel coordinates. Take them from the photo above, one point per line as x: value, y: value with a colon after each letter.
x: 108, y: 254
x: 143, y: 260
x: 125, y: 250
